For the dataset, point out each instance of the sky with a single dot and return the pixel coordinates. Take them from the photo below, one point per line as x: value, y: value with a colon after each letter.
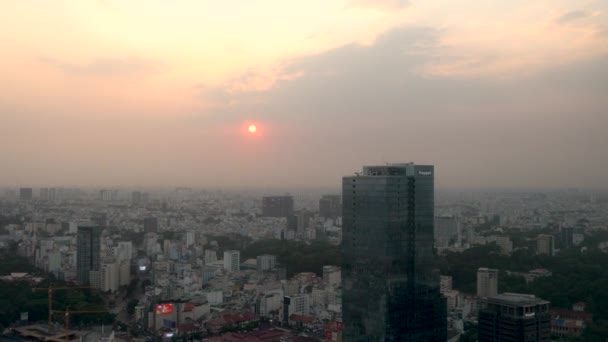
x: 161, y: 93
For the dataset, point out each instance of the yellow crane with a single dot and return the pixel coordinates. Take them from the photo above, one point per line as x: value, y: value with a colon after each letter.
x: 69, y: 312
x: 50, y: 290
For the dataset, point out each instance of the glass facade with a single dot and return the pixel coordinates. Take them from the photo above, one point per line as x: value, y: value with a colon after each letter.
x: 390, y: 292
x: 88, y: 250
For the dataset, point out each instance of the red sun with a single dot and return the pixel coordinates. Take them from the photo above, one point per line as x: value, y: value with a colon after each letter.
x: 252, y: 129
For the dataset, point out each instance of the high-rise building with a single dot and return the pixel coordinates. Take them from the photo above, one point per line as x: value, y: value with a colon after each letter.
x: 487, y: 282
x: 150, y: 225
x: 232, y: 261
x: 567, y: 237
x: 105, y: 195
x: 88, y: 251
x: 25, y: 194
x: 277, y: 206
x: 299, y: 222
x: 545, y: 244
x: 52, y: 194
x: 44, y: 194
x: 515, y: 317
x: 330, y: 206
x: 390, y: 291
x: 266, y: 262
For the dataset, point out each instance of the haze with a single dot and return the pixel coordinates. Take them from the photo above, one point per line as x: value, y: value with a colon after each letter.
x: 161, y: 93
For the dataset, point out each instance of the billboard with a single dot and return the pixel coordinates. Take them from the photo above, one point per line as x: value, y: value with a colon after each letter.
x: 163, y: 309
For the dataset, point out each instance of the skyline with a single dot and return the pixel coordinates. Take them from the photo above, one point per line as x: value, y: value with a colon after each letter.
x: 109, y: 93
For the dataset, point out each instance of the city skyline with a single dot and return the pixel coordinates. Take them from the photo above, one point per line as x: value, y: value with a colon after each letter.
x: 101, y: 93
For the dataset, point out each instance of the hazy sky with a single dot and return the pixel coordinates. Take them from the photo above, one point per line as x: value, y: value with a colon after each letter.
x: 155, y: 92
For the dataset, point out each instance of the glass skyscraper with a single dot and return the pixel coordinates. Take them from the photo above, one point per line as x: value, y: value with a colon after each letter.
x: 390, y: 291
x: 88, y: 250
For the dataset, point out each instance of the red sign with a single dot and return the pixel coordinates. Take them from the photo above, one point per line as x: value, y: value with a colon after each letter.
x: 339, y: 325
x: 163, y: 309
x: 328, y: 335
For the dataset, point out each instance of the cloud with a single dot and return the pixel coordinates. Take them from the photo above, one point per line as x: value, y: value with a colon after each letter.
x: 571, y: 16
x: 102, y: 66
x: 360, y: 103
x: 385, y: 5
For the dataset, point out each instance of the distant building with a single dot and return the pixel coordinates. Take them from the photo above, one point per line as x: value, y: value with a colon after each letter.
x: 139, y: 198
x: 545, y: 244
x: 270, y: 303
x: 515, y: 317
x: 570, y: 323
x: 150, y: 225
x: 505, y: 244
x: 299, y: 222
x: 210, y: 256
x: 105, y: 195
x: 110, y: 276
x: 44, y: 194
x: 266, y: 262
x: 300, y: 304
x: 330, y: 206
x: 487, y: 282
x: 452, y: 299
x: 277, y: 206
x: 88, y: 251
x: 25, y: 194
x: 445, y: 283
x: 100, y: 219
x: 567, y: 237
x: 232, y: 261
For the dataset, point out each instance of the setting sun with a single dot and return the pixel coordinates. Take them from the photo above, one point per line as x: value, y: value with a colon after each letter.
x: 252, y: 128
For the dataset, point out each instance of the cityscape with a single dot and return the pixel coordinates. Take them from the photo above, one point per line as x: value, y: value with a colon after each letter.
x: 304, y: 171
x: 217, y: 265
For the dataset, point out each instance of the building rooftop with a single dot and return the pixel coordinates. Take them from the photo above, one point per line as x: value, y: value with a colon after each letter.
x: 517, y: 299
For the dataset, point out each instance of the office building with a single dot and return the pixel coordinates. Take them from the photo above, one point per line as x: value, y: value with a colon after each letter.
x: 330, y: 206
x: 88, y: 251
x: 105, y: 195
x: 487, y: 282
x: 150, y: 225
x: 512, y: 317
x: 110, y: 276
x: 25, y: 194
x: 232, y: 261
x: 277, y: 206
x: 567, y: 237
x: 545, y: 244
x: 299, y: 222
x: 390, y: 291
x: 266, y: 262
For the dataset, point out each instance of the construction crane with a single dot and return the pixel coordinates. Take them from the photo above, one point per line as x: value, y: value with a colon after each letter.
x: 50, y: 290
x: 69, y: 312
